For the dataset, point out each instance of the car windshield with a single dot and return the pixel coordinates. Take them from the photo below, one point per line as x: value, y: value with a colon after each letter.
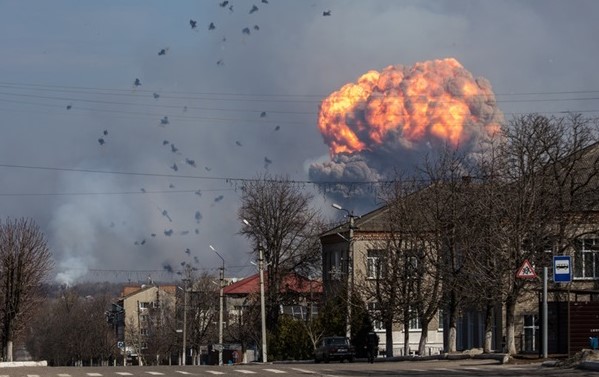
x: 337, y: 341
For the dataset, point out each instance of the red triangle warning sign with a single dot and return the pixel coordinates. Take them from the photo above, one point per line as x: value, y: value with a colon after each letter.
x: 526, y: 271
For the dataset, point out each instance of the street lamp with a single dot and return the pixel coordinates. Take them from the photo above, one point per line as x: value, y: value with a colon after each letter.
x: 350, y: 262
x: 183, y: 361
x: 262, y: 305
x: 220, y: 312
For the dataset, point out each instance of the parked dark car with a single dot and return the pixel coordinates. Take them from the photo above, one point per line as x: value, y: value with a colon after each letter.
x: 334, y: 348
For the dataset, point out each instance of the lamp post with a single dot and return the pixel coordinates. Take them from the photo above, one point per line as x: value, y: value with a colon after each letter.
x: 262, y: 304
x: 183, y: 354
x: 350, y: 267
x: 220, y: 312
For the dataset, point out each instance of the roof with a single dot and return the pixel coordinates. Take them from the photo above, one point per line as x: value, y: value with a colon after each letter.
x: 291, y: 282
x: 129, y: 291
x: 373, y: 221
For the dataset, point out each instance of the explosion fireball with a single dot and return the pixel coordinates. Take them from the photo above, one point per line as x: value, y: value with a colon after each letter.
x: 386, y: 120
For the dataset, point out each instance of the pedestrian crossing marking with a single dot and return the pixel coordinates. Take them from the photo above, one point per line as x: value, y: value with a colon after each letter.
x: 305, y: 371
x: 124, y: 373
x: 155, y: 373
x: 245, y: 371
x: 275, y: 370
x: 215, y: 372
x: 64, y: 375
x: 94, y: 374
x: 182, y: 372
x: 33, y: 375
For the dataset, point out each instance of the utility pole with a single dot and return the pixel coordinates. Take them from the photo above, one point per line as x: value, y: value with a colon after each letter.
x: 220, y: 312
x: 183, y: 353
x: 262, y: 305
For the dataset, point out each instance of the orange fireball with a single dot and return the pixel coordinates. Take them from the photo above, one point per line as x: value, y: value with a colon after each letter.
x: 432, y: 100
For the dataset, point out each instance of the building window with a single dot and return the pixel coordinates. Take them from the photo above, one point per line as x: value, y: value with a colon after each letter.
x: 531, y: 328
x: 375, y: 314
x: 144, y: 332
x: 441, y: 319
x: 374, y: 264
x: 414, y: 321
x: 144, y: 305
x: 144, y: 318
x: 586, y: 259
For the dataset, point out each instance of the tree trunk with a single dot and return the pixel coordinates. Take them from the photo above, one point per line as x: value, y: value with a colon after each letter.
x: 9, y: 350
x: 389, y: 339
x: 510, y: 317
x: 423, y: 339
x: 488, y: 344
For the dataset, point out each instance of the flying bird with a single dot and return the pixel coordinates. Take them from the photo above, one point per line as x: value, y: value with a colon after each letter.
x: 174, y: 167
x: 254, y: 9
x: 198, y: 216
x: 207, y: 168
x: 264, y: 1
x: 184, y: 232
x: 162, y: 52
x: 165, y: 214
x: 184, y: 109
x: 156, y: 95
x: 171, y: 186
x: 220, y: 62
x: 267, y: 162
x: 218, y: 198
x: 142, y: 190
x: 101, y: 141
x: 238, y: 143
x: 224, y: 4
x: 137, y: 82
x: 263, y: 114
x: 197, y: 231
x: 187, y: 251
x: 193, y: 24
x: 256, y: 27
x: 165, y: 142
x: 211, y: 26
x: 277, y: 128
x: 105, y: 132
x: 69, y: 107
x: 173, y: 148
x: 168, y: 232
x: 164, y: 121
x: 326, y: 13
x: 190, y: 162
x: 246, y: 30
x: 198, y: 192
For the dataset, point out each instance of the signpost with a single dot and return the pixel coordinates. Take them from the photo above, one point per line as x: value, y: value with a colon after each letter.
x: 526, y: 271
x: 562, y: 269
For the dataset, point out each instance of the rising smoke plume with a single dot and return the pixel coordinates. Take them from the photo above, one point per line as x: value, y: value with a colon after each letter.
x: 386, y: 121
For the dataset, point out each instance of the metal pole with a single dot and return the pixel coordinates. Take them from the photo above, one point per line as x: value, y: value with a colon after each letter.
x: 183, y: 361
x: 220, y: 316
x: 545, y: 313
x: 262, y: 305
x: 350, y: 272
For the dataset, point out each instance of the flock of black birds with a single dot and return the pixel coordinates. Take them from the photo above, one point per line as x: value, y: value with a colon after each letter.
x: 164, y: 121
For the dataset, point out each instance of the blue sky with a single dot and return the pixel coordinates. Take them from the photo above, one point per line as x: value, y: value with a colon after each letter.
x: 67, y: 75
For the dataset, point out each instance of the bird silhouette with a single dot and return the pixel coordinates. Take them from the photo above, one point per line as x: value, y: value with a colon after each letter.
x: 207, y: 168
x: 256, y: 27
x: 211, y: 26
x: 174, y: 149
x: 168, y: 232
x: 220, y: 62
x: 105, y: 132
x: 165, y: 214
x: 101, y: 141
x: 254, y: 9
x: 137, y: 82
x: 326, y: 13
x: 263, y: 114
x: 156, y: 95
x: 198, y: 216
x: 218, y: 198
x: 162, y: 52
x: 264, y: 1
x: 238, y: 143
x: 174, y: 167
x: 277, y: 128
x: 171, y: 186
x: 142, y: 190
x: 190, y: 162
x: 223, y: 4
x: 198, y: 192
x: 193, y: 24
x: 187, y: 251
x: 246, y: 30
x: 165, y: 142
x: 164, y: 121
x: 69, y: 107
x: 267, y: 162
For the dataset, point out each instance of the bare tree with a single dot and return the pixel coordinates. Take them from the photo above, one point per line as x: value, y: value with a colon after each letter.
x: 283, y: 223
x: 25, y: 262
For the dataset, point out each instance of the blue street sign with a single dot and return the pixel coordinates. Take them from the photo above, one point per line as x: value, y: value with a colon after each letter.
x: 562, y: 269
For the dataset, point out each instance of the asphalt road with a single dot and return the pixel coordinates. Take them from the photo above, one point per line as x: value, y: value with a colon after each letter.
x: 420, y: 368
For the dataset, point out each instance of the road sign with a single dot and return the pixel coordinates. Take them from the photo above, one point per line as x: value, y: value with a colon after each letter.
x: 526, y: 271
x: 562, y: 269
